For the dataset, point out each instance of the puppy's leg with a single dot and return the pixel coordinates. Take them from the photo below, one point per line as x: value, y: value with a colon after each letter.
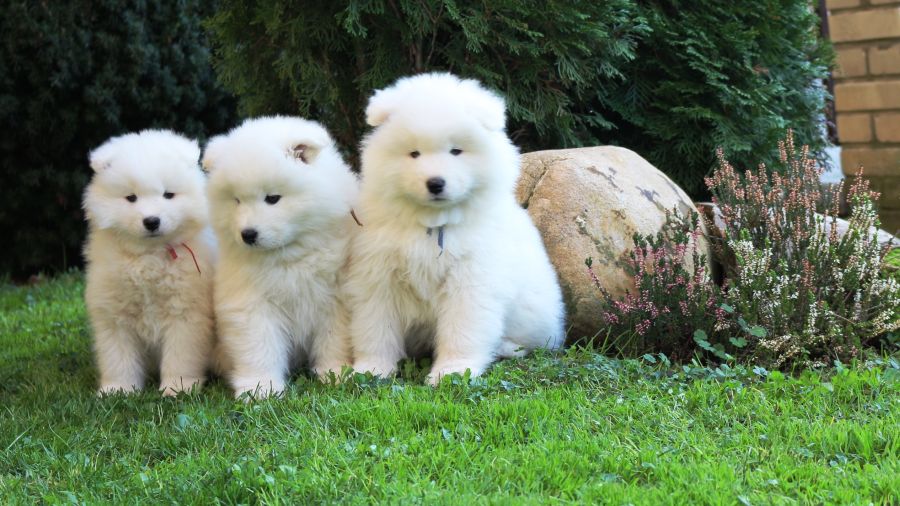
x: 186, y: 351
x: 331, y: 348
x: 376, y: 330
x: 258, y: 351
x: 119, y: 359
x: 536, y: 320
x: 469, y: 331
x: 511, y: 349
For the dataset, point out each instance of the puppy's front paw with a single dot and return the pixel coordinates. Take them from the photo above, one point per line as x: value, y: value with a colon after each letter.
x: 439, y: 370
x: 258, y: 389
x: 174, y: 386
x: 328, y: 373
x: 382, y: 368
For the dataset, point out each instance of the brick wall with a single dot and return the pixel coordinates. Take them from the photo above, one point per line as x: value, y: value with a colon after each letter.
x: 866, y: 35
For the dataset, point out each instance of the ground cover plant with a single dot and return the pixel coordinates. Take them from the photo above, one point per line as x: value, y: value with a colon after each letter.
x: 553, y: 428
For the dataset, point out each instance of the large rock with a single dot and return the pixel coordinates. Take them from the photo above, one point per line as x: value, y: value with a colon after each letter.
x: 589, y: 202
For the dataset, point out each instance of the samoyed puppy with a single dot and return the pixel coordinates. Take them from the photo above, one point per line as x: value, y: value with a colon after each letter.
x: 280, y: 199
x: 446, y: 260
x: 150, y: 256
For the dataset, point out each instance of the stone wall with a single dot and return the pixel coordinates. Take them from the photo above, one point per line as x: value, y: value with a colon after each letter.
x: 866, y: 36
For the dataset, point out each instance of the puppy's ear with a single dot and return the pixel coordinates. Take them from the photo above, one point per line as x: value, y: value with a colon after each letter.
x: 306, y: 147
x: 306, y: 153
x: 212, y: 152
x: 101, y: 158
x: 381, y: 106
x: 486, y: 106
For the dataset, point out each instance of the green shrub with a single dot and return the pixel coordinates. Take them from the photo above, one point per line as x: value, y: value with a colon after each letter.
x: 713, y: 74
x: 324, y: 59
x: 671, y: 79
x: 73, y: 74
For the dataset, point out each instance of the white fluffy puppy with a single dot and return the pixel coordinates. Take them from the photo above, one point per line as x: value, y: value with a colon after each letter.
x: 447, y: 259
x: 280, y: 198
x: 150, y: 258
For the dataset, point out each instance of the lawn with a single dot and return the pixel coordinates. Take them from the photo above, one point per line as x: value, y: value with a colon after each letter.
x: 570, y: 428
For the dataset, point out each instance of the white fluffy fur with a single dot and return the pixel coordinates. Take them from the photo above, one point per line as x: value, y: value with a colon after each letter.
x: 277, y: 301
x: 147, y: 309
x: 492, y: 291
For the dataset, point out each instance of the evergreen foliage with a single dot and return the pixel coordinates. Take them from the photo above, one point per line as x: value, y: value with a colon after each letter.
x: 73, y: 74
x: 671, y: 79
x: 712, y: 74
x: 324, y: 59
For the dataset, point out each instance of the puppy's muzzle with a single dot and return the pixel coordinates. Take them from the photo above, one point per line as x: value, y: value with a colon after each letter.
x: 435, y: 185
x: 249, y: 235
x: 151, y: 223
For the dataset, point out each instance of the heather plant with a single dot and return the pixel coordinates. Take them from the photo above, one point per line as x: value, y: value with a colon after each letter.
x: 796, y: 290
x: 673, y: 294
x: 818, y: 295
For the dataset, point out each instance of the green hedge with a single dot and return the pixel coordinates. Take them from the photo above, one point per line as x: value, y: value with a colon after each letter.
x: 671, y: 79
x: 713, y: 74
x: 73, y: 74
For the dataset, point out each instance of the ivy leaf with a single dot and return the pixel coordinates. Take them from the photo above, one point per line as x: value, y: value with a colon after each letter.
x: 719, y: 351
x: 738, y: 342
x: 757, y: 331
x: 761, y: 371
x: 700, y: 337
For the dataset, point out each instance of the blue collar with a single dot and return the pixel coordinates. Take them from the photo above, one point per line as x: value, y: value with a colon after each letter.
x: 440, y: 237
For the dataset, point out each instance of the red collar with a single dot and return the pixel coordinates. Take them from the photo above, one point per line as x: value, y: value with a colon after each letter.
x: 174, y: 254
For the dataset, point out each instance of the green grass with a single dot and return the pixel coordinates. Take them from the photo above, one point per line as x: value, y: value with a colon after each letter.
x: 569, y: 428
x: 892, y: 262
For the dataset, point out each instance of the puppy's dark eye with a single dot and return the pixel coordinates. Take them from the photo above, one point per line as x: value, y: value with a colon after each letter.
x: 455, y: 151
x: 272, y: 199
x: 131, y: 198
x: 168, y: 195
x: 237, y: 200
x: 415, y: 154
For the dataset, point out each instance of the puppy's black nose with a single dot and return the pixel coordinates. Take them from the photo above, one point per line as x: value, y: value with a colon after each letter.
x: 151, y: 223
x: 435, y: 185
x: 249, y: 235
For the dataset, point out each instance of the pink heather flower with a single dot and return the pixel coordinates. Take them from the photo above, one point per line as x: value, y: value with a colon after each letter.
x: 720, y: 315
x: 594, y: 278
x: 624, y: 305
x: 642, y: 327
